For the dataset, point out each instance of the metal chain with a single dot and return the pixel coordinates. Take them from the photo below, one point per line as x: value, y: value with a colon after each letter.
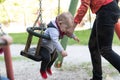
x: 1, y: 31
x: 40, y: 14
x: 41, y: 11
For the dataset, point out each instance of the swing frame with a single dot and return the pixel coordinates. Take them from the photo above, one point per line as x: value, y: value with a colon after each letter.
x: 34, y: 53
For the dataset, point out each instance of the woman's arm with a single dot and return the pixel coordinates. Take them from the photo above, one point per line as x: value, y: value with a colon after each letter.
x: 82, y: 11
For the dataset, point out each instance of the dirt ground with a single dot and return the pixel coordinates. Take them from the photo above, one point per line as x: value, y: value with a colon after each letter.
x: 76, y: 66
x: 26, y: 69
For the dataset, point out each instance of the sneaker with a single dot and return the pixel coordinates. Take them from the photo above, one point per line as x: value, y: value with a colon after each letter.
x: 49, y: 71
x: 43, y: 74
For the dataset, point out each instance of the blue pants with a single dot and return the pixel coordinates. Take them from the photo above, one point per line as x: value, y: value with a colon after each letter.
x: 3, y: 78
x: 100, y: 42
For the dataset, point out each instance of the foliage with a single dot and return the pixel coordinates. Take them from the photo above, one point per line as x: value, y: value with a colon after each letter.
x: 25, y: 11
x: 1, y: 1
x: 17, y: 11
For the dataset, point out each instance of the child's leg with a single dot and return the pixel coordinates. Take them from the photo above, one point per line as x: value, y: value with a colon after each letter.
x: 46, y: 57
x: 45, y: 61
x: 54, y: 56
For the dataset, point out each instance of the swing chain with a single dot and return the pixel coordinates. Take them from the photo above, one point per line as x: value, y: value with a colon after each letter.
x: 39, y: 18
x: 42, y: 25
x: 40, y: 11
x: 1, y: 31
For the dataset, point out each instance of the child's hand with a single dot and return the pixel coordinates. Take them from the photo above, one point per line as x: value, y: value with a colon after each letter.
x: 76, y: 39
x: 64, y: 53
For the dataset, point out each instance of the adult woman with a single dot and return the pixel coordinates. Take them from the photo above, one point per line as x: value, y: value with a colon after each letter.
x: 100, y: 42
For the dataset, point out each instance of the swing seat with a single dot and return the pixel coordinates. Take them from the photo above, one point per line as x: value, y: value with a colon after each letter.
x: 34, y: 53
x: 31, y: 54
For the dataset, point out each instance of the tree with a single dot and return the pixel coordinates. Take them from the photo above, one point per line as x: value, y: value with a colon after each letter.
x: 4, y: 18
x: 1, y: 1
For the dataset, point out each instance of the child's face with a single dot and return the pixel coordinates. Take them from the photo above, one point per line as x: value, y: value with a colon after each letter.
x: 65, y: 22
x: 65, y: 26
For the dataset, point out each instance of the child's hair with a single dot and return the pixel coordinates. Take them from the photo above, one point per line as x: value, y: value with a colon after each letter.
x: 66, y: 18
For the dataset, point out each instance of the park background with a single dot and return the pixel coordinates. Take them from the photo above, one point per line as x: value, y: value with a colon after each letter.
x: 22, y: 13
x: 17, y: 15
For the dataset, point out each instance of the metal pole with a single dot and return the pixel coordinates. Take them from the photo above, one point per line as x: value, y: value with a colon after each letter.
x: 72, y: 9
x: 58, y: 7
x: 8, y: 62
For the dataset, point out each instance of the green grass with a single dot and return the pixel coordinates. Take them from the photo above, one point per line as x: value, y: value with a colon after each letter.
x: 82, y: 35
x: 14, y: 58
x: 84, y: 38
x: 21, y: 38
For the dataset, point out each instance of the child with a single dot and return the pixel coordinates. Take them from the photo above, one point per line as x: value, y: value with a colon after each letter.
x: 56, y: 30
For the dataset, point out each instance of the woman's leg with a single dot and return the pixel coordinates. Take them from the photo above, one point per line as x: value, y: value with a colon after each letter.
x: 105, y: 31
x: 95, y: 55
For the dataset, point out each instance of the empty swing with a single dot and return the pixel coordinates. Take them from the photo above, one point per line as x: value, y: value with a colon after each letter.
x: 34, y: 52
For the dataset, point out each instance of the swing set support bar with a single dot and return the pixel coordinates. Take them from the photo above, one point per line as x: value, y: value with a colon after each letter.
x: 72, y: 9
x: 8, y: 62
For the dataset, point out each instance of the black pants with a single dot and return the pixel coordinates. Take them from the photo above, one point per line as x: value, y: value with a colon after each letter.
x: 47, y: 58
x: 100, y: 42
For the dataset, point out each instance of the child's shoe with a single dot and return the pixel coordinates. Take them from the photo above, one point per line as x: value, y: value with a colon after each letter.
x: 49, y: 71
x: 43, y: 74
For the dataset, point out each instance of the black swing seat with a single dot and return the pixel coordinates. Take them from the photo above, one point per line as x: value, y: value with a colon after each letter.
x: 31, y: 54
x: 34, y: 53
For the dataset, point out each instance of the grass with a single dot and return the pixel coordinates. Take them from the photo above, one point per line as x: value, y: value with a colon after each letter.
x: 21, y: 38
x: 82, y: 35
x: 15, y: 58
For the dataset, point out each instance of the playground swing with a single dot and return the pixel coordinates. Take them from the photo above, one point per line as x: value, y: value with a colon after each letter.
x: 32, y: 52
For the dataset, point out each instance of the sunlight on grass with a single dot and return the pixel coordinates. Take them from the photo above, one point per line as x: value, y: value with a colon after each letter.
x: 13, y: 58
x: 21, y: 38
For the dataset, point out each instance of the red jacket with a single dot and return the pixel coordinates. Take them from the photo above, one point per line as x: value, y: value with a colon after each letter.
x: 94, y: 5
